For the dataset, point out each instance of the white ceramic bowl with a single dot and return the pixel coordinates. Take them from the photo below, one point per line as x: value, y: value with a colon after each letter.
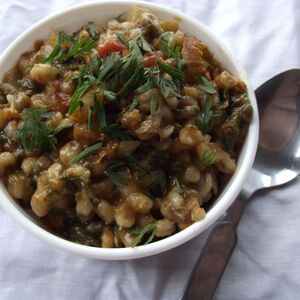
x: 70, y: 20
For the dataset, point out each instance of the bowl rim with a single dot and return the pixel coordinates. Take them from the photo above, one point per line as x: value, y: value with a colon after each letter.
x: 219, y: 208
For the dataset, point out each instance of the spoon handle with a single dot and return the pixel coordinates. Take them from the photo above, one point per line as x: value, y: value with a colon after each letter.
x: 215, y: 255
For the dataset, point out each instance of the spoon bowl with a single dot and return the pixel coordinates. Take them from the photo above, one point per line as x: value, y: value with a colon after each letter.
x: 277, y: 162
x: 277, y: 159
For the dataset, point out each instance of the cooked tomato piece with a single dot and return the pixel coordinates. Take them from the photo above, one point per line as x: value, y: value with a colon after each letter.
x: 60, y: 102
x: 110, y: 46
x: 150, y: 61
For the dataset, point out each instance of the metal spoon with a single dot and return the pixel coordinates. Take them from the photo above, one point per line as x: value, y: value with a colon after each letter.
x: 277, y: 162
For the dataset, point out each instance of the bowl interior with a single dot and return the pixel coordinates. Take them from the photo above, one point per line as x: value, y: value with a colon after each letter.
x: 100, y: 12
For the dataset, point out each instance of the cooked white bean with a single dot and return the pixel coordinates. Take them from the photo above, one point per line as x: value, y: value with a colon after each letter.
x: 124, y: 215
x: 139, y: 202
x: 69, y: 151
x: 197, y: 214
x: 105, y: 211
x: 79, y: 173
x: 19, y: 186
x: 107, y: 238
x: 175, y: 198
x: 84, y: 207
x: 42, y: 73
x: 29, y: 166
x: 7, y: 159
x: 190, y: 135
x: 164, y: 228
x: 191, y: 174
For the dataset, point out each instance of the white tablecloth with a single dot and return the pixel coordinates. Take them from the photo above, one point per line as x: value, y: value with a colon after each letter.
x: 264, y: 36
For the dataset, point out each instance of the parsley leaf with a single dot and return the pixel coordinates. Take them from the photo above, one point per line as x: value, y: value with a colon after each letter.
x: 36, y: 133
x: 87, y: 152
x: 206, y: 85
x: 141, y: 232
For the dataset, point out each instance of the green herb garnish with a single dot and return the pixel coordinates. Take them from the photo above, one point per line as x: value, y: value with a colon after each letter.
x: 167, y: 48
x: 203, y: 119
x: 87, y: 152
x: 173, y: 71
x: 36, y: 133
x: 141, y: 232
x: 118, y: 178
x: 206, y: 85
x: 119, y: 17
x: 153, y: 104
x: 121, y: 38
x: 90, y: 115
x: 75, y: 47
x: 134, y: 104
x: 92, y: 29
x: 110, y: 96
x: 206, y: 159
x: 178, y: 185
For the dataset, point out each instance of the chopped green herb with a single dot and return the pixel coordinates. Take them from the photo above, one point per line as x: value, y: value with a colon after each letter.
x: 116, y: 131
x: 82, y: 87
x: 206, y: 85
x: 206, y: 159
x: 131, y: 84
x: 92, y: 29
x: 36, y: 133
x: 134, y: 104
x: 77, y: 47
x: 203, y: 119
x: 110, y: 96
x: 90, y: 115
x: 121, y: 38
x: 142, y: 175
x: 118, y: 178
x: 153, y: 104
x: 141, y: 232
x: 100, y: 112
x: 87, y: 152
x: 178, y: 185
x: 144, y: 44
x: 167, y: 48
x: 120, y: 16
x: 95, y: 64
x: 173, y: 71
x: 160, y: 179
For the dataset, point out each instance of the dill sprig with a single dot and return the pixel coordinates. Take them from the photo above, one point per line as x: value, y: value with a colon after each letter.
x: 36, y: 134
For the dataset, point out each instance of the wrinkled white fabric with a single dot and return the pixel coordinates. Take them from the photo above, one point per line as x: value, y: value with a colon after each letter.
x: 264, y: 36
